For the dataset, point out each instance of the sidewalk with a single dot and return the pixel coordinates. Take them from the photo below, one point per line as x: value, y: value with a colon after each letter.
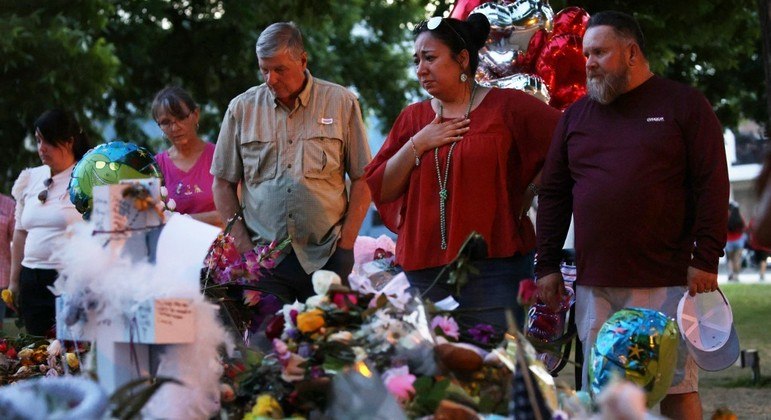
x: 747, y: 275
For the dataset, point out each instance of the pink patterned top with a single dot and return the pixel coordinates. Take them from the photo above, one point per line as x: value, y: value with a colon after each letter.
x: 190, y: 190
x: 6, y: 234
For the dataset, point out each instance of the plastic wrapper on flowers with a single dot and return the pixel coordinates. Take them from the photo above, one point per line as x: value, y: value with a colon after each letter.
x: 375, y: 264
x: 62, y: 397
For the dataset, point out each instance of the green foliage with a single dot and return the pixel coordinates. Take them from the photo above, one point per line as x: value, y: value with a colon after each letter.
x: 428, y: 394
x: 53, y: 55
x: 106, y: 59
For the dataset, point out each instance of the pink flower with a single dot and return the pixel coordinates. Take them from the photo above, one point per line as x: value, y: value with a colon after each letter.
x: 252, y: 297
x: 344, y: 300
x: 399, y: 382
x: 282, y: 351
x: 447, y: 325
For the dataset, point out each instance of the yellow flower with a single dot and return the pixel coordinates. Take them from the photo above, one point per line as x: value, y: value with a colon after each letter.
x: 266, y: 407
x: 72, y: 361
x: 310, y: 321
x: 25, y: 353
x: 7, y: 296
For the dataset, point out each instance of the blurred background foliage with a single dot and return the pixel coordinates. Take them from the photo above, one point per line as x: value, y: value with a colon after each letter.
x: 106, y: 59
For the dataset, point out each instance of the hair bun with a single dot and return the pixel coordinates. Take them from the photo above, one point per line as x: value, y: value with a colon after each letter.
x: 479, y: 29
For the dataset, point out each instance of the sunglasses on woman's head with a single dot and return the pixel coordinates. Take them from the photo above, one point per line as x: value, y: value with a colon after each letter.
x: 43, y: 195
x: 433, y: 23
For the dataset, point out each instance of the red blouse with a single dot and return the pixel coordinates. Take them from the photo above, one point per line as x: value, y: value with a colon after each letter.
x: 489, y: 172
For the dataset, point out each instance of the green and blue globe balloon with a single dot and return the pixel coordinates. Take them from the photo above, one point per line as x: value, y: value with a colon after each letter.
x: 109, y: 163
x: 638, y: 345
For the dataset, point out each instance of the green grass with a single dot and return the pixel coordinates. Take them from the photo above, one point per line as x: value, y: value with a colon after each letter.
x: 751, y: 306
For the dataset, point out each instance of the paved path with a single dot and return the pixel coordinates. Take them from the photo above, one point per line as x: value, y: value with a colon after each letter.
x: 747, y: 275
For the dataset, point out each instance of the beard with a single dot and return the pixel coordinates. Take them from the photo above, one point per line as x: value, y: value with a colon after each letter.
x: 606, y: 88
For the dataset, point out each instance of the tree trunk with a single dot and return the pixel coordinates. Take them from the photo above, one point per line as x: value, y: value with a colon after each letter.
x: 764, y: 12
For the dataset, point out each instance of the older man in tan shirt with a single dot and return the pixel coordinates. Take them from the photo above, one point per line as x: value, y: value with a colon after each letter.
x: 290, y: 142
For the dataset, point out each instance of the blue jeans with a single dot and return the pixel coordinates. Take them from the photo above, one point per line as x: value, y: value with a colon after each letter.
x: 486, y: 295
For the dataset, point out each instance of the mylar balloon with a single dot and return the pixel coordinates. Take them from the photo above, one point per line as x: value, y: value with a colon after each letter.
x: 462, y: 8
x: 571, y: 20
x: 109, y: 163
x: 512, y: 24
x: 639, y: 345
x: 561, y: 65
x: 527, y: 83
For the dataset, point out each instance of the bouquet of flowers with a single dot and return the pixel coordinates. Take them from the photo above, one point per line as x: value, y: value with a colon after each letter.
x: 231, y: 280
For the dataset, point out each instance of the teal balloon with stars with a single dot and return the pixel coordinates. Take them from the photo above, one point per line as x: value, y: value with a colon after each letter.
x: 638, y: 345
x: 109, y: 163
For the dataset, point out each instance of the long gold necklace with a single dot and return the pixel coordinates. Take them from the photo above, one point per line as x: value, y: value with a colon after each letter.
x: 443, y: 192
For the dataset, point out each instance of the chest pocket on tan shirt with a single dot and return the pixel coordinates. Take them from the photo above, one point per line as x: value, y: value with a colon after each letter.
x: 323, y: 152
x: 260, y: 157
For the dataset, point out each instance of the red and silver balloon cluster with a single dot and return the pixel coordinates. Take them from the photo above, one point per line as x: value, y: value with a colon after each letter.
x: 531, y: 48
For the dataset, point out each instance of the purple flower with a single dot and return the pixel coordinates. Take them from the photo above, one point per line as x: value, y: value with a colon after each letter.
x: 292, y: 333
x: 305, y: 350
x: 482, y: 333
x: 448, y: 326
x: 316, y: 372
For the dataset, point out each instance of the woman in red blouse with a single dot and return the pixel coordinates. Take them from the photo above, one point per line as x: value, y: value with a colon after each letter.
x: 467, y: 159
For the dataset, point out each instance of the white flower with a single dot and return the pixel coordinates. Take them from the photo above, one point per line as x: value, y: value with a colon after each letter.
x: 287, y: 311
x: 323, y: 279
x: 360, y: 353
x: 164, y: 192
x: 171, y: 204
x: 55, y: 348
x: 344, y: 337
x: 315, y: 301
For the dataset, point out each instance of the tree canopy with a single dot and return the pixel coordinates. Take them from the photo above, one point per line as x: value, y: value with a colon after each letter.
x: 105, y: 59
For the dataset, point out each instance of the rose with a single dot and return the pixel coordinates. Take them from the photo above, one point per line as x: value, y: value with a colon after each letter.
x: 275, y: 327
x: 308, y: 322
x: 344, y: 300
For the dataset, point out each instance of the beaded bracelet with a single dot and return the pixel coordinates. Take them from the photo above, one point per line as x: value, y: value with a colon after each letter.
x: 533, y: 188
x: 415, y: 151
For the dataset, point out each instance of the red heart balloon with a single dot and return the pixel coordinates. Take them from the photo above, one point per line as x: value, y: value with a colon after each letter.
x: 561, y: 65
x: 570, y: 20
x: 534, y: 48
x: 464, y: 7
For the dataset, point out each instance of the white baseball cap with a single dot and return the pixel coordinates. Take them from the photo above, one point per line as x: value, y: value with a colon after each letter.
x: 706, y: 324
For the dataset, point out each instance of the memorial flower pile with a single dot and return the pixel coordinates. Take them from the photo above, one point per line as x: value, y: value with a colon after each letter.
x: 409, y: 347
x: 29, y: 356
